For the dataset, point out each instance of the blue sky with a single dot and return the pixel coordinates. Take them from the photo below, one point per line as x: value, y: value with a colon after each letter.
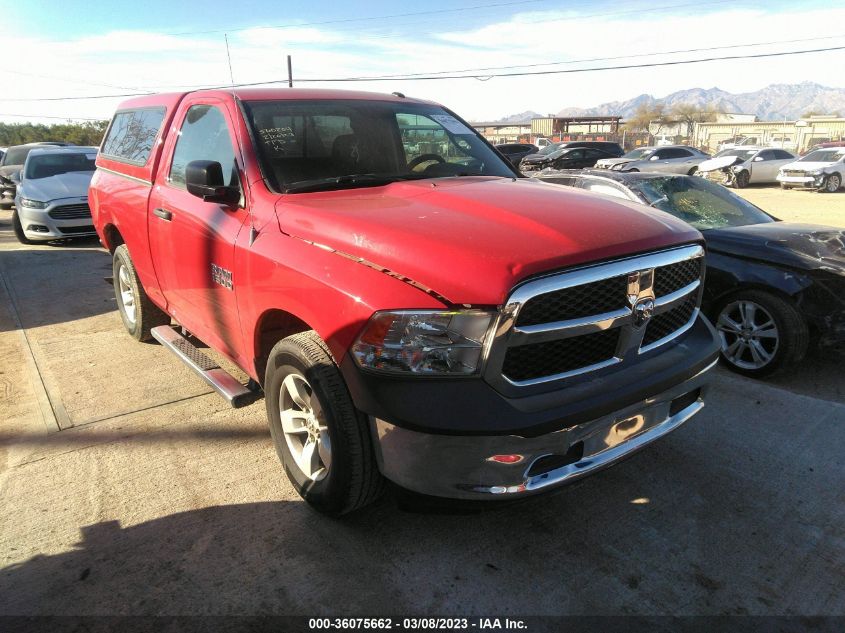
x: 94, y: 47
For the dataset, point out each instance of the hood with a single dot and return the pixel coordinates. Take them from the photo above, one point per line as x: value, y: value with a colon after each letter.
x: 613, y: 161
x: 801, y: 246
x: 69, y: 185
x: 805, y: 166
x: 536, y: 158
x: 471, y: 239
x: 8, y: 170
x: 720, y: 162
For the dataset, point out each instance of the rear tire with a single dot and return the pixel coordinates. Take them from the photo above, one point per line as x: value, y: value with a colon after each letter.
x: 338, y: 473
x: 771, y: 325
x: 18, y: 228
x: 138, y: 313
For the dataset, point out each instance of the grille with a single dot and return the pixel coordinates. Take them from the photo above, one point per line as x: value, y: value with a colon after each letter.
x: 88, y: 228
x: 668, y: 279
x: 579, y: 301
x: 587, y: 317
x: 793, y: 172
x: 556, y: 357
x: 70, y: 212
x: 665, y: 324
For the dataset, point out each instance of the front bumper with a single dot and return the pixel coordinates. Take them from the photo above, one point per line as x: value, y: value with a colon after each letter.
x: 39, y: 225
x: 460, y: 466
x: 807, y: 182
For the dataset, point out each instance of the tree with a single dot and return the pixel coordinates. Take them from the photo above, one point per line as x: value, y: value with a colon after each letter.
x: 810, y: 113
x: 690, y: 114
x: 87, y: 133
x: 645, y: 115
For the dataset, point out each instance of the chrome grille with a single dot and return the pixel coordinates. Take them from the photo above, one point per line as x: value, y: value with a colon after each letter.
x: 593, y: 317
x: 70, y: 212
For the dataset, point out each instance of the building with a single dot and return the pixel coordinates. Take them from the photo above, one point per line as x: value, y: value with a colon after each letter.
x: 498, y: 132
x: 572, y: 128
x: 792, y: 135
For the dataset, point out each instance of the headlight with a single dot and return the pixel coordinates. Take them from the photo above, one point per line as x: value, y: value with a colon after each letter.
x: 737, y: 167
x: 424, y: 342
x: 818, y: 172
x: 33, y: 204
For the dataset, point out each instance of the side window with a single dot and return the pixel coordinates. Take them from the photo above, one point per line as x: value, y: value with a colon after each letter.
x: 596, y: 153
x: 204, y: 136
x: 132, y: 134
x: 661, y: 154
x: 677, y: 152
x: 423, y: 135
x: 767, y: 154
x: 575, y: 154
x: 782, y: 155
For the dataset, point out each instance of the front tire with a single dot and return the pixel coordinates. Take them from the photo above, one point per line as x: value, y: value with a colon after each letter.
x: 742, y: 179
x: 832, y: 183
x: 138, y: 313
x: 322, y: 440
x: 760, y: 333
x: 18, y: 228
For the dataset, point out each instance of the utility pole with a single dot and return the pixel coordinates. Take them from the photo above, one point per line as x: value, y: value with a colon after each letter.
x: 290, y: 73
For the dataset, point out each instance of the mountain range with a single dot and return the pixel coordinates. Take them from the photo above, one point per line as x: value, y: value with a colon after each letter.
x: 772, y: 103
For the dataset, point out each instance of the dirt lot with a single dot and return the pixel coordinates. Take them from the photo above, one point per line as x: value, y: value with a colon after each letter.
x: 127, y: 488
x: 798, y: 206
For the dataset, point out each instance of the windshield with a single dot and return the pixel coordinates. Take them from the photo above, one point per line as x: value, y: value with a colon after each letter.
x: 17, y: 155
x: 549, y: 149
x: 639, y: 153
x: 699, y: 202
x: 824, y: 156
x: 49, y: 165
x: 303, y: 145
x: 745, y: 153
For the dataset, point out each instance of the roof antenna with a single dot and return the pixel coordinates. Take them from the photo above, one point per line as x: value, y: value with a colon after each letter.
x: 252, y: 232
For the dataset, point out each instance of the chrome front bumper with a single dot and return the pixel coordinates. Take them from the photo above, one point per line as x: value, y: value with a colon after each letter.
x: 460, y: 466
x: 48, y: 228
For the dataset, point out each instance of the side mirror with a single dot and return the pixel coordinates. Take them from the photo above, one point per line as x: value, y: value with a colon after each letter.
x: 204, y: 179
x: 757, y: 159
x: 654, y: 158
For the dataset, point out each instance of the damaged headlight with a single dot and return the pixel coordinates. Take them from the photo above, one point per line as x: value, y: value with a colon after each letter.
x: 424, y: 342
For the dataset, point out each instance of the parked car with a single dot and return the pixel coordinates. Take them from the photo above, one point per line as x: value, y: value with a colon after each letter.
x: 822, y: 144
x: 10, y: 166
x: 51, y: 201
x: 515, y: 152
x: 772, y: 288
x: 822, y: 170
x: 439, y: 324
x: 742, y: 166
x: 673, y: 159
x: 738, y: 141
x: 2, y: 153
x: 563, y: 158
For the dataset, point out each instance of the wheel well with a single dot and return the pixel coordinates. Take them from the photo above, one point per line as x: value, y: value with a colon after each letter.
x: 273, y: 326
x: 113, y: 237
x: 716, y: 302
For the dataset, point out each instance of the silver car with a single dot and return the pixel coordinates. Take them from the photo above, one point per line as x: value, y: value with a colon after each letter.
x: 51, y: 201
x: 742, y: 166
x: 670, y: 159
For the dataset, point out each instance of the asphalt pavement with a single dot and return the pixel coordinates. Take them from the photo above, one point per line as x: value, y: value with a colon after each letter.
x: 128, y: 488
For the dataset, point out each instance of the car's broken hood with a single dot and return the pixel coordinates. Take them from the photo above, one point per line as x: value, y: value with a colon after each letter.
x: 720, y: 162
x: 472, y: 239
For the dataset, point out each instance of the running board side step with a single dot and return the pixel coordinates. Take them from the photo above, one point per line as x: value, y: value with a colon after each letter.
x: 218, y: 378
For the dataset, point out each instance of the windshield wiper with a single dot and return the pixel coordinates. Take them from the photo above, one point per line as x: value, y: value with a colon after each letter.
x: 349, y: 181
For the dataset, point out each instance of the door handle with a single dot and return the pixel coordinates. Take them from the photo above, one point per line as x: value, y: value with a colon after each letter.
x: 163, y: 214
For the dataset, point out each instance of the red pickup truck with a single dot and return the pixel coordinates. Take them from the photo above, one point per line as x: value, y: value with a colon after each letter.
x: 411, y: 307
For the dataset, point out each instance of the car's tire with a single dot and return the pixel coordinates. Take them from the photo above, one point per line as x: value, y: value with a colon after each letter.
x: 342, y: 473
x: 692, y: 171
x: 632, y: 171
x: 783, y: 186
x: 761, y: 333
x: 832, y: 183
x: 742, y: 179
x: 137, y: 311
x: 18, y: 229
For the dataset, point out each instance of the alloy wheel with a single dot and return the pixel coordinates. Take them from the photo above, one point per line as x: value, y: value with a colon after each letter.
x: 127, y: 295
x: 749, y: 334
x: 304, y: 426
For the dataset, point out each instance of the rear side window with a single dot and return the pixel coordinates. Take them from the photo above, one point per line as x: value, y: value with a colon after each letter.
x: 132, y: 134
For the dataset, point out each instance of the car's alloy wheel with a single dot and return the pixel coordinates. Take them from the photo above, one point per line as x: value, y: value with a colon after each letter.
x: 749, y: 334
x: 304, y: 426
x: 742, y: 179
x: 832, y: 184
x: 127, y: 294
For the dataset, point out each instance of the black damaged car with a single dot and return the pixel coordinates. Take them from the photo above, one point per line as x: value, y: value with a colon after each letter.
x: 772, y: 289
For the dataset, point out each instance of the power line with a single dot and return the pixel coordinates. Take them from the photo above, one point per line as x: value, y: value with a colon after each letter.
x: 485, y: 77
x: 45, y: 116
